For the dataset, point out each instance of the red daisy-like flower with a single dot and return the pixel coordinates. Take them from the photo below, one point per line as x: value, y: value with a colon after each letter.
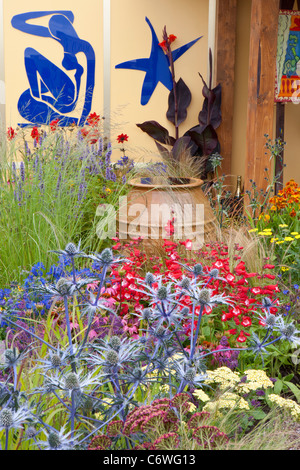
x: 122, y: 138
x: 93, y: 119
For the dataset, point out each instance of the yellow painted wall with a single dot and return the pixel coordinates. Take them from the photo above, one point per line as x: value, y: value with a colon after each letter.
x: 131, y: 39
x: 88, y: 25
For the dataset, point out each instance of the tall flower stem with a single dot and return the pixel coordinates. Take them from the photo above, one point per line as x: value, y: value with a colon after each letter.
x: 103, y: 276
x: 170, y: 57
x: 6, y: 438
x: 69, y: 331
x: 30, y: 332
x: 197, y: 332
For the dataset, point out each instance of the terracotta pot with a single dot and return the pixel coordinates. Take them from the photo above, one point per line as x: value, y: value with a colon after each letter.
x: 150, y: 206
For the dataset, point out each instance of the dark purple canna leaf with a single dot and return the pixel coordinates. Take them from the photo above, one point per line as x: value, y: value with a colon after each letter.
x: 180, y: 147
x: 165, y: 153
x: 211, y: 109
x: 205, y: 137
x: 184, y: 98
x: 157, y: 132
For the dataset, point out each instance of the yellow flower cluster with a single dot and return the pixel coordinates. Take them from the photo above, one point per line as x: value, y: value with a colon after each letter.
x: 227, y: 400
x: 256, y: 379
x: 200, y: 395
x: 223, y: 376
x: 289, y: 405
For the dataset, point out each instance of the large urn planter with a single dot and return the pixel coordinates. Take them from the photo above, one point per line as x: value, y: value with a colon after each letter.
x: 155, y: 210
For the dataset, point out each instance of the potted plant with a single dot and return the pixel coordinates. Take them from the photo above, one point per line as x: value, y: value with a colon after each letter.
x: 201, y: 141
x: 188, y: 155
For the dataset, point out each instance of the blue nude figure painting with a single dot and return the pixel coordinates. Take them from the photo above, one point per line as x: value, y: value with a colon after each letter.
x: 54, y: 91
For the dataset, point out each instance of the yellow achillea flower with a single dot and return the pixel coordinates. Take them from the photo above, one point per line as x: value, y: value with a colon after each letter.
x: 192, y: 407
x: 200, y: 395
x: 289, y: 239
x: 256, y: 379
x: 282, y: 225
x: 280, y: 242
x: 253, y: 230
x: 285, y: 268
x: 297, y: 237
x: 223, y: 376
x: 266, y: 234
x: 294, y: 233
x: 273, y: 240
x: 289, y: 405
x: 227, y: 400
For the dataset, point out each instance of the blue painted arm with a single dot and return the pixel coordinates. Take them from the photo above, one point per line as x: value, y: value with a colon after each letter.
x: 20, y: 22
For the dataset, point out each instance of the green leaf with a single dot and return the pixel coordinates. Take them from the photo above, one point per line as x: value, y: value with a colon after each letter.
x: 288, y: 377
x: 278, y: 386
x: 258, y: 414
x: 206, y: 331
x: 294, y: 389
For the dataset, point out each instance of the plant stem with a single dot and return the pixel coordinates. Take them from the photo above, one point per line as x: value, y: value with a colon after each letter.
x: 170, y: 57
x: 69, y: 331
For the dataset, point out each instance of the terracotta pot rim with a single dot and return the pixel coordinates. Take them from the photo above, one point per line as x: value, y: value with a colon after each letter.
x: 194, y: 182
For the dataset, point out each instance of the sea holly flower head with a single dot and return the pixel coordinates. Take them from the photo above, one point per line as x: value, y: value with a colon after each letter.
x: 71, y: 250
x: 58, y: 440
x: 105, y: 259
x: 12, y: 358
x: 13, y: 419
x: 288, y: 331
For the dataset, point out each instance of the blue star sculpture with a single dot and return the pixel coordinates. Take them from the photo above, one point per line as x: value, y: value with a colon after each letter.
x: 157, y: 66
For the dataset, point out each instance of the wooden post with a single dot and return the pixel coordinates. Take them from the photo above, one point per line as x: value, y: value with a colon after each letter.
x: 261, y: 107
x: 226, y: 17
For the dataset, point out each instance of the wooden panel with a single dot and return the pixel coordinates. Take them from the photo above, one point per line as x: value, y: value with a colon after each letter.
x: 262, y: 67
x: 226, y: 17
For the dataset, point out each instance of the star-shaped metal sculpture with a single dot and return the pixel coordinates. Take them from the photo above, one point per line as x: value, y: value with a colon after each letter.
x: 157, y: 66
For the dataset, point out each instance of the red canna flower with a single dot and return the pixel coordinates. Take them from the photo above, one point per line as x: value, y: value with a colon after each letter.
x: 172, y: 38
x: 164, y: 44
x: 122, y: 138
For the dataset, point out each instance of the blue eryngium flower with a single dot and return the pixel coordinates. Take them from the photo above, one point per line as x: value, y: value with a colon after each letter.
x: 105, y: 259
x: 71, y: 250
